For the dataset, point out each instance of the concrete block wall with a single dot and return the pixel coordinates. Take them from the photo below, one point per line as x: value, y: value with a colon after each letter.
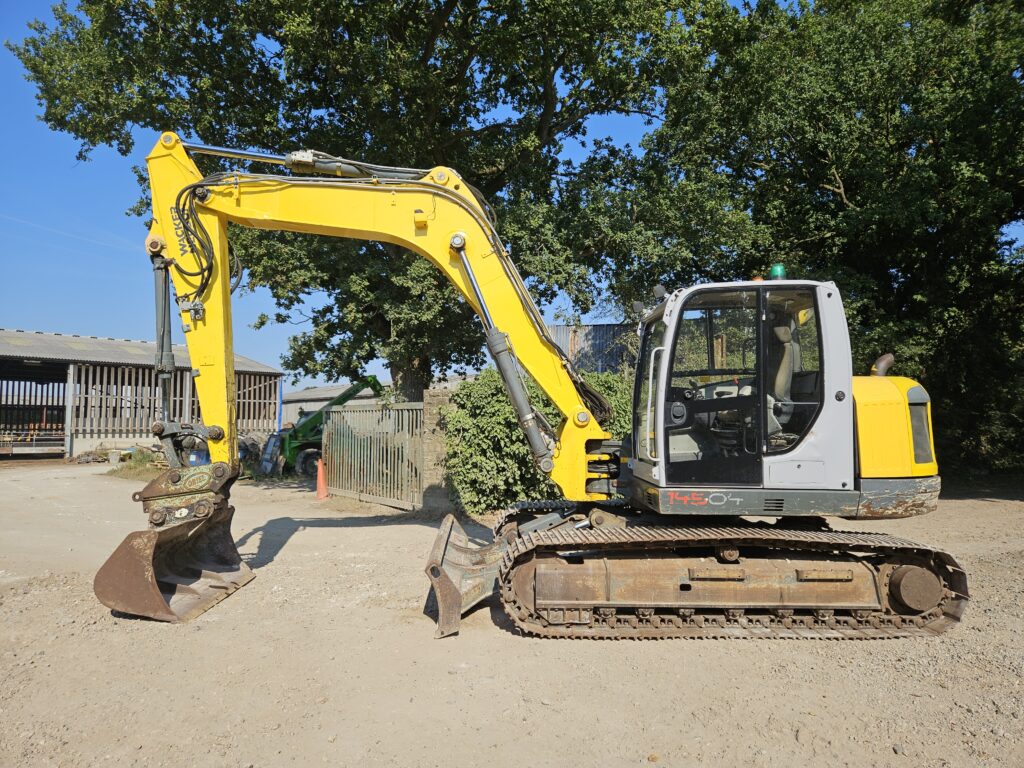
x: 436, y: 497
x: 80, y: 445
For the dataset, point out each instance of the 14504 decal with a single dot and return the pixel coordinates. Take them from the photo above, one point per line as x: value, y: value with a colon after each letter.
x: 702, y: 499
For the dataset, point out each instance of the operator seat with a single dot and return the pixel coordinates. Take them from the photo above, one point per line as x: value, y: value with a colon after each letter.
x: 784, y: 357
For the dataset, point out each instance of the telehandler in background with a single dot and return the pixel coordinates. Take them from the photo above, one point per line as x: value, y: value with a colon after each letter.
x: 298, y: 446
x: 745, y: 406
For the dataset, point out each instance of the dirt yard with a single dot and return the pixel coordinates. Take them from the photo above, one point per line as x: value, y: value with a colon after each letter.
x: 326, y: 658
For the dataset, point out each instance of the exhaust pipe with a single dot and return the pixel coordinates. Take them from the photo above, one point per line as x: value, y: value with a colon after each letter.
x: 882, y: 365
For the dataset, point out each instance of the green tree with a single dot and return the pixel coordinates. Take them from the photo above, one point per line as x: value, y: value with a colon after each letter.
x: 492, y: 89
x: 875, y: 143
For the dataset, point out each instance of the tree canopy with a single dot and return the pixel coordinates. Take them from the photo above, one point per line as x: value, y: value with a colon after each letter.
x: 492, y: 89
x: 876, y: 143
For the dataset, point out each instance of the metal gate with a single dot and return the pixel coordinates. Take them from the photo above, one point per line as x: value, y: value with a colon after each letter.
x: 375, y: 453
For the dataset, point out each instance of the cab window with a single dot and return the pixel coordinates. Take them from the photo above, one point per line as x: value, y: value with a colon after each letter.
x: 794, y: 385
x: 648, y: 372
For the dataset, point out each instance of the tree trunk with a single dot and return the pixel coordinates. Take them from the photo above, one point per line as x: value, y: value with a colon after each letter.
x: 409, y: 378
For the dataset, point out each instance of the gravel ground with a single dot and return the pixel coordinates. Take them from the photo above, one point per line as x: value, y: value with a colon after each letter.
x: 327, y: 658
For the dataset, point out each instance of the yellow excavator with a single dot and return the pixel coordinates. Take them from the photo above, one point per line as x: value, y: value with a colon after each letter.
x: 709, y: 520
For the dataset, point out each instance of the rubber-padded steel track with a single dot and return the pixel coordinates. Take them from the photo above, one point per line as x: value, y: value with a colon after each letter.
x: 824, y: 623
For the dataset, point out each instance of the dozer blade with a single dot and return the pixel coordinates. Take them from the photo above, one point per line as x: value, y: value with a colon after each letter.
x: 461, y: 573
x: 187, y: 561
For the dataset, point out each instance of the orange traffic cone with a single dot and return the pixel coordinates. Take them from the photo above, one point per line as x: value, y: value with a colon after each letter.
x: 321, y: 481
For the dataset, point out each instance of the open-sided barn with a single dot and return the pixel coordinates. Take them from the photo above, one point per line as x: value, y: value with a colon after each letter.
x: 67, y: 394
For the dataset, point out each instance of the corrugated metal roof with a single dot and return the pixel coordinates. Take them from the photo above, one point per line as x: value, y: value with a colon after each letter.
x: 65, y: 348
x: 599, y: 347
x: 317, y: 394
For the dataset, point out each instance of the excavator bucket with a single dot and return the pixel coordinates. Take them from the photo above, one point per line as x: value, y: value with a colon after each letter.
x: 187, y: 561
x: 461, y: 574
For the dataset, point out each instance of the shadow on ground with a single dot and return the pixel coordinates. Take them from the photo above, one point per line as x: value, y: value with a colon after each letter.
x: 285, y: 483
x: 274, y: 534
x: 994, y: 488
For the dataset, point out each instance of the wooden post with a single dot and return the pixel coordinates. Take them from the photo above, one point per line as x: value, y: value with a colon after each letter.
x: 70, y: 402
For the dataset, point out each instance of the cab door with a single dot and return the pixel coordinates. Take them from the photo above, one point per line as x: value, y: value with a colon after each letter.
x: 712, y: 408
x: 646, y: 401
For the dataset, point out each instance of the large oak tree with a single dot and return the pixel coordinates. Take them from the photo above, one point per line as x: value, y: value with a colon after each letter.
x: 876, y: 143
x: 490, y: 88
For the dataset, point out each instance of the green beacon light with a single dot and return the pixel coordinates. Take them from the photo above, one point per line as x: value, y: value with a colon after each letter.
x: 778, y: 272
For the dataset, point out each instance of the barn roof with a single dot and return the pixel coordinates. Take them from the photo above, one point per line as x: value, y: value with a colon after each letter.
x: 71, y: 348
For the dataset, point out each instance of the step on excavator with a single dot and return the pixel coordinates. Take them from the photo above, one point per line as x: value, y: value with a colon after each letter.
x: 711, y: 520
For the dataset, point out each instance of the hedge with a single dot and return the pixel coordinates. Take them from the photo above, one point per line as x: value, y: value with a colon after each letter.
x: 488, y: 462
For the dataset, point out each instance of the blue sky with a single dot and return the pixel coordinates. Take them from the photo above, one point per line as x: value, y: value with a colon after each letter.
x: 72, y: 259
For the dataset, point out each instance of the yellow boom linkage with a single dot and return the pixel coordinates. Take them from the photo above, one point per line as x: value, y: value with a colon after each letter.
x: 187, y: 560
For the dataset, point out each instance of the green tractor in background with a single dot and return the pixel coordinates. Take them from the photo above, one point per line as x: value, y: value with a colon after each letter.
x: 299, y: 447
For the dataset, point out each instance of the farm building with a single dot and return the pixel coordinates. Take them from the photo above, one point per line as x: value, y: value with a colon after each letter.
x: 67, y: 394
x: 600, y: 347
x: 312, y: 399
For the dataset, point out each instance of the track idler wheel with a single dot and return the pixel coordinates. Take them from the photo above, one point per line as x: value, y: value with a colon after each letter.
x: 915, y: 588
x: 187, y: 561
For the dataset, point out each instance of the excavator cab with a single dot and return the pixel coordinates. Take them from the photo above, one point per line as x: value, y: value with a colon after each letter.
x: 730, y: 383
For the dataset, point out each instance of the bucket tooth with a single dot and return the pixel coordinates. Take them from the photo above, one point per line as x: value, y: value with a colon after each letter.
x: 178, y: 570
x: 461, y: 574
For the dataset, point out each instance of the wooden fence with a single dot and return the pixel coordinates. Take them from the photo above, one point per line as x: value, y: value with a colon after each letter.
x: 375, y: 453
x: 257, y: 401
x: 120, y: 401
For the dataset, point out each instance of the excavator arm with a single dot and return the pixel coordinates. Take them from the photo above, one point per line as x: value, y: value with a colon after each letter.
x: 436, y: 216
x: 187, y: 559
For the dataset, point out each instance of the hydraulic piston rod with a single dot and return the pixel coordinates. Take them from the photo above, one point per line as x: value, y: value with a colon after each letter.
x: 310, y: 161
